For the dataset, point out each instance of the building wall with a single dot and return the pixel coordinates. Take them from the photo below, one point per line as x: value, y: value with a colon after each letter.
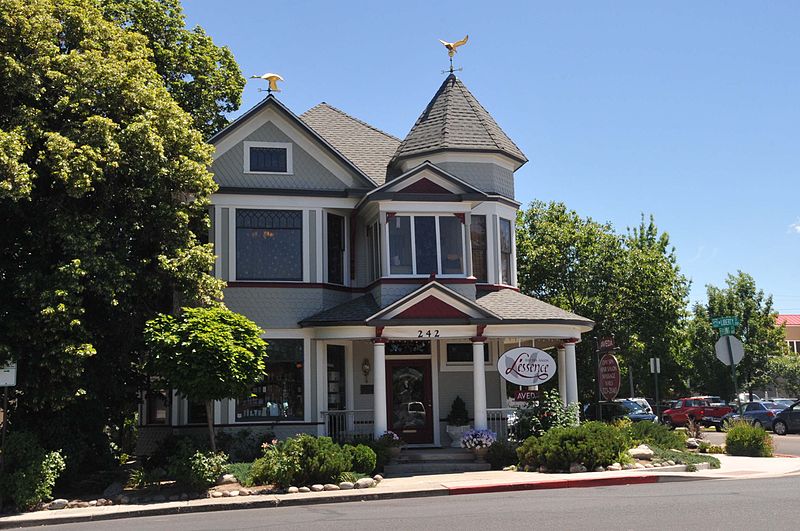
x: 484, y: 176
x: 282, y: 307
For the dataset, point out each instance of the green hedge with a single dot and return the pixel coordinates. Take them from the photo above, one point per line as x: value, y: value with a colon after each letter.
x: 591, y: 444
x: 199, y: 470
x: 747, y: 440
x: 30, y: 471
x: 363, y: 458
x: 301, y: 460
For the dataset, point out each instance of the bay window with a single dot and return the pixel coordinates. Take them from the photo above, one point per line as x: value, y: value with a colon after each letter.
x: 506, y: 247
x: 425, y: 244
x: 477, y: 230
x: 279, y: 396
x: 269, y: 244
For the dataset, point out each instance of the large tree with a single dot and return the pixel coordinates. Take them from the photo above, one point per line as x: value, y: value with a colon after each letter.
x: 629, y: 285
x: 104, y: 188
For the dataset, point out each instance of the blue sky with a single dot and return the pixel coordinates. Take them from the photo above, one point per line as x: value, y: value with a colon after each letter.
x: 686, y: 110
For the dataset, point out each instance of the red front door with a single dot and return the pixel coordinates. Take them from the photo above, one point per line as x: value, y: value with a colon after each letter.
x: 409, y: 396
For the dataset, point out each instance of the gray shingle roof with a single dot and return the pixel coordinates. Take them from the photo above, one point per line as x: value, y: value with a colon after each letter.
x: 514, y: 306
x: 354, y: 311
x: 365, y: 146
x: 455, y: 120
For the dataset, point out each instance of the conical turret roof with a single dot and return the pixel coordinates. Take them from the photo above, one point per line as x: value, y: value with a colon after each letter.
x: 454, y: 120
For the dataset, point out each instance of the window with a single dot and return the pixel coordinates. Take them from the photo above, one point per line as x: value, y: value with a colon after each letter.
x: 794, y: 346
x: 196, y: 412
x: 462, y: 353
x: 421, y: 245
x: 269, y: 244
x: 477, y: 231
x: 280, y: 395
x: 505, y: 251
x: 267, y: 157
x: 335, y: 249
x: 408, y: 347
x: 374, y: 251
x: 157, y: 406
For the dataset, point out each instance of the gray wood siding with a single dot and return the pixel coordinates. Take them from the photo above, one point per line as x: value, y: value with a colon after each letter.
x: 485, y: 176
x: 281, y: 307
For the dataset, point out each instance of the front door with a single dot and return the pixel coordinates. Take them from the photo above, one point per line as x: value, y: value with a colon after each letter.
x: 410, y: 404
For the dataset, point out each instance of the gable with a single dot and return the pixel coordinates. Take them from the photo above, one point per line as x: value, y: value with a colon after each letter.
x: 424, y: 186
x: 432, y: 303
x: 426, y: 182
x: 431, y: 307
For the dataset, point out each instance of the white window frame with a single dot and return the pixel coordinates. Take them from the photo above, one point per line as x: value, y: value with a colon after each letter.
x: 436, y: 216
x: 465, y: 366
x: 512, y: 266
x: 279, y: 145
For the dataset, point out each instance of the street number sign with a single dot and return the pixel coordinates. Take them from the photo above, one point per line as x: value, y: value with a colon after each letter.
x: 729, y: 348
x: 608, y: 375
x: 8, y: 375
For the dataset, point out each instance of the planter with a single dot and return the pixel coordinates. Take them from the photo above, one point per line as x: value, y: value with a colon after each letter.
x: 456, y: 433
x: 480, y: 454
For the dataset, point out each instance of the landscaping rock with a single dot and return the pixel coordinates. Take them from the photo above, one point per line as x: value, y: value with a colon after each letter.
x: 317, y: 488
x: 226, y: 479
x: 92, y: 503
x: 331, y: 486
x: 613, y: 467
x: 216, y: 494
x: 575, y: 468
x: 648, y: 465
x: 115, y: 489
x: 345, y: 485
x: 124, y: 500
x: 542, y: 469
x: 244, y: 492
x: 365, y: 483
x: 378, y: 478
x: 692, y: 443
x: 641, y: 452
x: 184, y: 496
x: 57, y: 504
x: 72, y: 504
x: 82, y: 505
x: 304, y: 489
x: 102, y: 501
x: 629, y: 466
x: 292, y: 490
x: 671, y: 462
x: 599, y: 469
x: 639, y: 466
x: 510, y: 468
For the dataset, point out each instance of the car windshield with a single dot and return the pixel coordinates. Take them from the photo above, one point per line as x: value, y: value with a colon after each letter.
x: 632, y: 407
x: 773, y: 405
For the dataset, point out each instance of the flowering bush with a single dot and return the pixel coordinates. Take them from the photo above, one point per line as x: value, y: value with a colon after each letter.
x: 478, y: 439
x: 390, y: 438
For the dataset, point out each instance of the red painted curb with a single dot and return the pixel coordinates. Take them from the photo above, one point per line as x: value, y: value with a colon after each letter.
x: 556, y: 484
x: 786, y: 455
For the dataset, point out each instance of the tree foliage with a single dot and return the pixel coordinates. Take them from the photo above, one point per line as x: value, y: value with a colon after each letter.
x: 629, y: 285
x: 104, y: 188
x: 206, y: 354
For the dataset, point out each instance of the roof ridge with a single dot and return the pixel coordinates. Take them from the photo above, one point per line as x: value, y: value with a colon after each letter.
x: 350, y: 116
x: 447, y: 101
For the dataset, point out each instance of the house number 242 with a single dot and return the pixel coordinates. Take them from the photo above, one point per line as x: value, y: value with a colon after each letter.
x: 428, y: 333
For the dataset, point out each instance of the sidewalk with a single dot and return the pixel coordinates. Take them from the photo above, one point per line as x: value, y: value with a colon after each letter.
x: 423, y: 486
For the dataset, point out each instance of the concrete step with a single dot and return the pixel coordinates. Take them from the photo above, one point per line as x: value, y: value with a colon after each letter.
x: 394, y: 470
x: 436, y: 455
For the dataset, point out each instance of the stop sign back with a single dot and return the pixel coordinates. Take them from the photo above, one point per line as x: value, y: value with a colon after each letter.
x: 608, y: 376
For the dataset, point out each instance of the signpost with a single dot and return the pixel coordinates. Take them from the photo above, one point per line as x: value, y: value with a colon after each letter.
x: 8, y: 378
x: 604, y: 346
x: 729, y: 349
x: 655, y: 369
x: 608, y: 376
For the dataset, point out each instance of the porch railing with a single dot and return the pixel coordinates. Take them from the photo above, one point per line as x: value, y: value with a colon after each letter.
x: 503, y: 421
x: 344, y: 425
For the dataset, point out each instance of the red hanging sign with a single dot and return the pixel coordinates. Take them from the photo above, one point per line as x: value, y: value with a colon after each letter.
x: 608, y: 376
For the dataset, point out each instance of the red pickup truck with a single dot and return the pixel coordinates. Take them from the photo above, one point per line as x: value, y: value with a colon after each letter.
x: 707, y: 410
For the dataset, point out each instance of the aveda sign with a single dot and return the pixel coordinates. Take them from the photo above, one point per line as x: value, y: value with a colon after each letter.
x: 526, y: 366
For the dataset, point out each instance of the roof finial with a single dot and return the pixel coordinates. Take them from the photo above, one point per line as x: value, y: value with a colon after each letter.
x: 273, y: 82
x: 452, y: 48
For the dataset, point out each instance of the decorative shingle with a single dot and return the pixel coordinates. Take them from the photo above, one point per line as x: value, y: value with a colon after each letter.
x: 354, y: 311
x: 369, y: 148
x: 455, y: 120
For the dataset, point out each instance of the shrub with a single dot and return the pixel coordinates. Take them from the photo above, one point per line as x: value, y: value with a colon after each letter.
x: 502, y: 454
x: 30, y: 471
x: 382, y: 452
x: 301, y: 460
x: 650, y: 433
x: 242, y: 445
x: 752, y: 441
x: 363, y: 458
x: 458, y: 415
x: 350, y: 477
x: 199, y: 470
x: 241, y: 471
x: 684, y: 458
x: 544, y: 414
x: 694, y: 429
x: 591, y: 444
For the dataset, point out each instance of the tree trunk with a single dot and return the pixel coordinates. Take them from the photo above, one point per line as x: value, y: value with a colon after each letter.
x: 210, y: 418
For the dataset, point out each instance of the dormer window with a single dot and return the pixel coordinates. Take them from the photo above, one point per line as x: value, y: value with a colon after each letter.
x: 267, y: 157
x: 421, y: 245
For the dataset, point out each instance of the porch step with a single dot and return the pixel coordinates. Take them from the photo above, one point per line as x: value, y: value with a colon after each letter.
x: 434, y: 461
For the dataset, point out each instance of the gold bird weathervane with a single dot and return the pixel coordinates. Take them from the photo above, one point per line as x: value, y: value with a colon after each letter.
x: 452, y: 48
x: 272, y: 79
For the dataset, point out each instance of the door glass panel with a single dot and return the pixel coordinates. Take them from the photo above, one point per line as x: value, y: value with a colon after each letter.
x: 408, y: 400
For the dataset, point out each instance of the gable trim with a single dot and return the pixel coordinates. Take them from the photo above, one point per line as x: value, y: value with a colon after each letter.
x: 468, y: 310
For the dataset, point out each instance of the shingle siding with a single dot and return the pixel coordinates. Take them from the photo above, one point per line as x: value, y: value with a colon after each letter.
x: 281, y: 307
x: 485, y: 176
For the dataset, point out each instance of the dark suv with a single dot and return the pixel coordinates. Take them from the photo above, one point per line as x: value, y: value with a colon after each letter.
x: 612, y: 411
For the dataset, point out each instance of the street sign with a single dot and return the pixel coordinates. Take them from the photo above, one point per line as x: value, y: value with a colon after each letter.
x: 655, y: 365
x: 727, y: 330
x: 608, y: 376
x: 8, y: 375
x: 727, y: 321
x: 729, y: 350
x: 606, y: 344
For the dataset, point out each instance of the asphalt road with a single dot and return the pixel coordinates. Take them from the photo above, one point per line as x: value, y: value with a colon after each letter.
x: 710, y: 504
x: 786, y: 444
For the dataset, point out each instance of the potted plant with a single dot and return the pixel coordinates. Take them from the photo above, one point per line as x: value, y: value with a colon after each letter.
x: 457, y: 421
x: 479, y: 442
x: 393, y: 442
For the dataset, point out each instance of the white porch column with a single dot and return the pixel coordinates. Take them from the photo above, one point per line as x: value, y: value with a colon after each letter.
x: 379, y: 396
x: 479, y: 383
x: 562, y: 374
x: 572, y: 372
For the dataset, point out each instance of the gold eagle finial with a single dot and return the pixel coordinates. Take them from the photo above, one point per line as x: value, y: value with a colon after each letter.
x: 272, y: 79
x: 452, y: 47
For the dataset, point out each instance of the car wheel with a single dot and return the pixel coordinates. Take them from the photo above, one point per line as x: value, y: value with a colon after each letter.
x: 779, y: 427
x: 757, y: 424
x: 718, y: 427
x: 668, y: 423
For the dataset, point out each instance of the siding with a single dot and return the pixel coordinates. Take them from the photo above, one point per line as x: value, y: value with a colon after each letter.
x: 281, y: 307
x: 485, y: 176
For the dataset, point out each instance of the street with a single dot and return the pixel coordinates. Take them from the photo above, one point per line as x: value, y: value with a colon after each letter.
x: 786, y: 444
x: 714, y: 504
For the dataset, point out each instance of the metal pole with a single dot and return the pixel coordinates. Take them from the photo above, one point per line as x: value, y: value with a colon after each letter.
x: 733, y: 371
x: 630, y: 379
x: 599, y: 411
x: 3, y: 439
x: 655, y: 373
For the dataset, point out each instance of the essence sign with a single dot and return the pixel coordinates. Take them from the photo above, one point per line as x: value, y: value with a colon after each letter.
x: 526, y: 366
x: 608, y: 376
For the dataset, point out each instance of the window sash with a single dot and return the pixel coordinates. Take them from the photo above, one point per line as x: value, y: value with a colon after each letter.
x: 280, y: 394
x: 269, y: 159
x: 479, y: 246
x: 506, y: 247
x: 269, y: 244
x: 402, y: 231
x: 336, y: 248
x: 461, y: 354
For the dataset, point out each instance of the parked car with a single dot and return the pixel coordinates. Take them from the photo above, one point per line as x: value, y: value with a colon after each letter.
x: 616, y: 410
x: 643, y: 403
x: 787, y: 420
x: 756, y: 413
x: 785, y: 402
x: 707, y: 410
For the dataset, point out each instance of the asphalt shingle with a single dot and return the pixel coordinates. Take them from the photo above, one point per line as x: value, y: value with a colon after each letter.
x: 354, y: 311
x: 513, y: 305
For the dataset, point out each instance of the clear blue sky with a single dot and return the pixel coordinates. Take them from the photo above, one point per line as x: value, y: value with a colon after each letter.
x: 686, y: 110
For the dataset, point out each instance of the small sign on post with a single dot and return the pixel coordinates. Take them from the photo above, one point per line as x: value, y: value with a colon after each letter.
x: 8, y: 375
x: 609, y: 376
x: 726, y: 325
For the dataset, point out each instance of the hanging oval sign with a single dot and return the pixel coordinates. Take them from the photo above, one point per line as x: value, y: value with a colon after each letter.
x: 608, y: 375
x: 526, y: 366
